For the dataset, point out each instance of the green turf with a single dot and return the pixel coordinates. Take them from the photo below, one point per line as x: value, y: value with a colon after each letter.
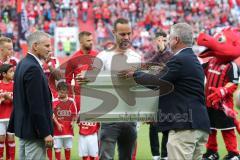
x: 143, y: 152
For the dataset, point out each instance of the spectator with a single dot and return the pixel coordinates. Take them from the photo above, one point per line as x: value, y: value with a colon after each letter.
x: 101, y: 33
x: 153, y: 14
x: 84, y: 11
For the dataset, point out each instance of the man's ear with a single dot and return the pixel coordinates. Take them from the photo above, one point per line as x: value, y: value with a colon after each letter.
x: 80, y: 40
x: 35, y: 46
x: 3, y: 74
x: 177, y: 39
x: 114, y: 32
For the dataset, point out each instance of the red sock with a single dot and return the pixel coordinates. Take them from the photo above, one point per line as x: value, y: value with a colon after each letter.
x: 1, y: 149
x: 212, y: 141
x: 85, y: 158
x: 58, y: 154
x: 11, y: 150
x: 230, y: 140
x: 134, y: 152
x: 67, y: 154
x: 7, y: 149
x: 49, y: 153
x: 92, y: 158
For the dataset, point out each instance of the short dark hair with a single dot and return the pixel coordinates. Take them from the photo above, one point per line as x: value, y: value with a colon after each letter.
x: 160, y: 33
x: 84, y: 33
x: 62, y: 86
x: 4, y: 40
x: 5, y: 67
x: 121, y: 21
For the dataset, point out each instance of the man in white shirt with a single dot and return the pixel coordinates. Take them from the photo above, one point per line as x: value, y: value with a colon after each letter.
x: 121, y: 57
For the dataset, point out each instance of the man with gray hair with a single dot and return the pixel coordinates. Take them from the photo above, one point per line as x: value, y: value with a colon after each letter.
x: 183, y: 111
x: 31, y: 119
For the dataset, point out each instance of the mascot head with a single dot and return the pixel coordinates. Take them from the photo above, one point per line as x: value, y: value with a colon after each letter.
x: 224, y: 45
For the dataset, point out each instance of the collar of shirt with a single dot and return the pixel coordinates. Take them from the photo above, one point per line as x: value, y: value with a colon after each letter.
x: 38, y: 60
x: 181, y: 50
x: 80, y: 52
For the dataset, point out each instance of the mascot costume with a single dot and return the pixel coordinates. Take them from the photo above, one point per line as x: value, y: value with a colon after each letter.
x: 222, y: 76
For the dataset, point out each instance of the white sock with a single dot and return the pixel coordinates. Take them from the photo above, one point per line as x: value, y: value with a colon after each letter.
x: 156, y: 158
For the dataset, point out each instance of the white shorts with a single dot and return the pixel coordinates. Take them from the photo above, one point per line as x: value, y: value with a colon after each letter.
x: 3, y: 127
x: 88, y: 145
x: 65, y: 142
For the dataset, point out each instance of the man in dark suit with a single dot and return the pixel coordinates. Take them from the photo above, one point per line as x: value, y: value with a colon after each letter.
x: 31, y: 119
x: 183, y: 111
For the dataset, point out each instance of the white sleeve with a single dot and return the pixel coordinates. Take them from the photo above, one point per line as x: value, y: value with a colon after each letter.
x: 99, y: 61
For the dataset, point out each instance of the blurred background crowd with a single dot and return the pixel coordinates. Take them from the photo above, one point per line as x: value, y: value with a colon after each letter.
x: 96, y: 16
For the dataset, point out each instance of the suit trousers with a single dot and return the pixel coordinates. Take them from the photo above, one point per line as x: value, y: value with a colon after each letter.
x: 186, y: 144
x: 32, y: 149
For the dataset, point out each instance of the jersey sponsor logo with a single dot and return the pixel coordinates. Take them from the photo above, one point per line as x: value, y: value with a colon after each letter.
x: 91, y: 124
x: 64, y: 113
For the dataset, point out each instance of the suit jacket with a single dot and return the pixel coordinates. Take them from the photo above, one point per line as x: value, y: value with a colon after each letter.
x: 32, y: 101
x: 184, y: 107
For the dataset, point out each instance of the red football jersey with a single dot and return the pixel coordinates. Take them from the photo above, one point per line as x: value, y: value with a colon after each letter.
x: 6, y: 105
x: 88, y: 128
x: 53, y: 62
x: 64, y: 111
x: 74, y: 67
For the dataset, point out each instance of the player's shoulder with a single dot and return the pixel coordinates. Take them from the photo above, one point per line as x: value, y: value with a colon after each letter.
x: 77, y: 53
x: 71, y: 99
x: 105, y: 53
x: 134, y: 53
x: 55, y: 100
x: 94, y: 53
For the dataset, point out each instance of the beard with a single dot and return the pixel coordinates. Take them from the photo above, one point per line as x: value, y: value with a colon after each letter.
x: 124, y: 45
x: 88, y: 48
x: 161, y: 48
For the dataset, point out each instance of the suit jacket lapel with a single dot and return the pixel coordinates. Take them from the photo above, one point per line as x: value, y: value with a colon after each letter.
x: 30, y: 57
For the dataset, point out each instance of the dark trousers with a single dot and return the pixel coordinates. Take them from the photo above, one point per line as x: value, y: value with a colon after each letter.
x: 154, y: 141
x: 124, y: 134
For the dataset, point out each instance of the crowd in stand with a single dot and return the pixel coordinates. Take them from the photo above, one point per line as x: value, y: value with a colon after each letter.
x: 41, y: 15
x: 146, y: 16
